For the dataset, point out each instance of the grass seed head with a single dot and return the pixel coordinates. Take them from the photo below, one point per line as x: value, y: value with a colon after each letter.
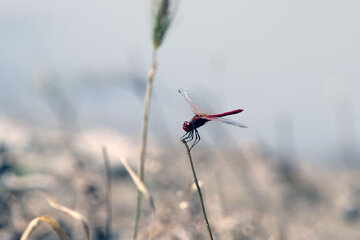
x: 162, y: 16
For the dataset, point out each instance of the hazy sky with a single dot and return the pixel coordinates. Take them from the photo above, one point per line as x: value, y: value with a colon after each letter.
x: 289, y: 64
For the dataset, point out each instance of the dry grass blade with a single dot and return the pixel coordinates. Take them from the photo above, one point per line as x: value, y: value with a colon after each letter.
x: 53, y: 223
x: 107, y: 194
x: 73, y: 214
x: 139, y: 184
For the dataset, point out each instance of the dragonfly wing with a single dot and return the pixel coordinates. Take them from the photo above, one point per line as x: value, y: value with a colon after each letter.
x: 191, y: 102
x: 198, y: 106
x: 225, y: 120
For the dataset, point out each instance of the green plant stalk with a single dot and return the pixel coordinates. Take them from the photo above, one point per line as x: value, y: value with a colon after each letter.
x: 198, y: 188
x: 144, y: 134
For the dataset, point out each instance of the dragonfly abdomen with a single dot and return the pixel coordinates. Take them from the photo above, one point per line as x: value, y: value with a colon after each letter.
x: 226, y: 113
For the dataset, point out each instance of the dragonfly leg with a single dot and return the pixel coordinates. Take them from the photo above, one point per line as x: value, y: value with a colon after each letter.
x: 197, y: 139
x: 198, y: 136
x: 189, y: 136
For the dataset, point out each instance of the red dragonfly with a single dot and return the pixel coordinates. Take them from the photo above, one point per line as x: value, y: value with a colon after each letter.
x: 201, y: 118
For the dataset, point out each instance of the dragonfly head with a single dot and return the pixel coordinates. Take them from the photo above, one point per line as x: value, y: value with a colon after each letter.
x: 187, y: 126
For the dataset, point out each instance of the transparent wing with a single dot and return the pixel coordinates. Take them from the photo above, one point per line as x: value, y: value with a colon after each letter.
x: 197, y: 106
x: 225, y: 120
x: 192, y: 104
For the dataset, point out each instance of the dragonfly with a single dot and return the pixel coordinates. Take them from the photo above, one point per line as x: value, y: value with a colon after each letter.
x: 201, y: 117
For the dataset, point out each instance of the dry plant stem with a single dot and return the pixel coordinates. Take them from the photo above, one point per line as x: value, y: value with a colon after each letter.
x: 107, y: 194
x: 198, y: 189
x: 147, y: 101
x: 74, y: 214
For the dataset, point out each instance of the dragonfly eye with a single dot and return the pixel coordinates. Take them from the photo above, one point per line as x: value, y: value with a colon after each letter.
x: 187, y: 126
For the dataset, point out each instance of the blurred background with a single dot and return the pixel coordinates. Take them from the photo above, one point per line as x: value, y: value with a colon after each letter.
x: 73, y: 77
